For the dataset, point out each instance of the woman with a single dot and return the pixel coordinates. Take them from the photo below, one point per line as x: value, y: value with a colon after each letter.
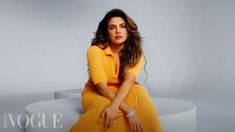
x: 112, y: 100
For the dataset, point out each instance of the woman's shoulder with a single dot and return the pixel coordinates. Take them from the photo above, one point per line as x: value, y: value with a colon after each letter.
x: 95, y: 49
x: 98, y: 47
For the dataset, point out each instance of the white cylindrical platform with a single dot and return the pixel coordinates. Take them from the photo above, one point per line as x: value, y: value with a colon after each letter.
x: 53, y: 115
x: 68, y: 93
x: 175, y: 115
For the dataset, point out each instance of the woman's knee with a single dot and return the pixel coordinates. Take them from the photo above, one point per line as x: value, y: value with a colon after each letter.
x: 101, y: 102
x: 139, y: 89
x: 94, y: 101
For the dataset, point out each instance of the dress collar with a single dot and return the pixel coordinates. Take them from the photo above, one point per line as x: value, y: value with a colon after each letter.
x: 107, y: 51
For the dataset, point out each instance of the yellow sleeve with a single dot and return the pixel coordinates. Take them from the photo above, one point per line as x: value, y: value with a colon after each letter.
x: 137, y: 68
x: 96, y: 70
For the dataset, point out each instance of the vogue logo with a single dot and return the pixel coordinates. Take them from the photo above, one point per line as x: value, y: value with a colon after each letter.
x: 35, y: 120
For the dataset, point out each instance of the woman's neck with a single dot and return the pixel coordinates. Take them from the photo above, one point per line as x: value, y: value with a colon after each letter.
x: 116, y: 48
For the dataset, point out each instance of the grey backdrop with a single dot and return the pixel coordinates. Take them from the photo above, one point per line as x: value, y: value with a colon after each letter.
x: 189, y: 45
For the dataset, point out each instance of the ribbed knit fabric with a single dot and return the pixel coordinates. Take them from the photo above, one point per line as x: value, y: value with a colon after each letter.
x: 102, y: 68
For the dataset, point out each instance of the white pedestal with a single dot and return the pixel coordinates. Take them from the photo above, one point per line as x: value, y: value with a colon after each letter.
x: 175, y: 115
x: 68, y: 93
x: 66, y: 111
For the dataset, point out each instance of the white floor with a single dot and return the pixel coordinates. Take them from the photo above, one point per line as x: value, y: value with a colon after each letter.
x: 212, y: 116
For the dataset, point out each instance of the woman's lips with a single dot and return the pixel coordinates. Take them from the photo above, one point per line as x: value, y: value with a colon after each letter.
x: 118, y: 37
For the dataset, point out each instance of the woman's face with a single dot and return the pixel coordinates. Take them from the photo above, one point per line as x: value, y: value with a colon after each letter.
x: 117, y: 30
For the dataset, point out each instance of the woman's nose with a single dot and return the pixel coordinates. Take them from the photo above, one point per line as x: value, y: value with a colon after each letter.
x: 117, y: 30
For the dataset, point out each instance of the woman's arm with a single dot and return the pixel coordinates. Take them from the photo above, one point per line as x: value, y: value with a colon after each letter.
x: 129, y: 81
x: 108, y: 93
x: 108, y: 114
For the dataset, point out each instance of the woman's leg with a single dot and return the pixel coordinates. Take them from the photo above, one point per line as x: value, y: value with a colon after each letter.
x: 145, y: 109
x: 140, y: 100
x: 92, y: 104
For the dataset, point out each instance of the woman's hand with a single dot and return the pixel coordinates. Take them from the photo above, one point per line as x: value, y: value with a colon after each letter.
x: 135, y: 124
x: 109, y: 115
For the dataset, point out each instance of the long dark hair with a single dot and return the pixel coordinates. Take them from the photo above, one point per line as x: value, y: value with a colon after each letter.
x: 132, y: 49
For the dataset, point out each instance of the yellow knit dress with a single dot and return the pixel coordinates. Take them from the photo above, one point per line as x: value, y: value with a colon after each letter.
x: 102, y: 68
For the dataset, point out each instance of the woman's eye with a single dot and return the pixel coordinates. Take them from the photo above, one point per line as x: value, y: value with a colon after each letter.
x: 123, y: 26
x: 110, y: 28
